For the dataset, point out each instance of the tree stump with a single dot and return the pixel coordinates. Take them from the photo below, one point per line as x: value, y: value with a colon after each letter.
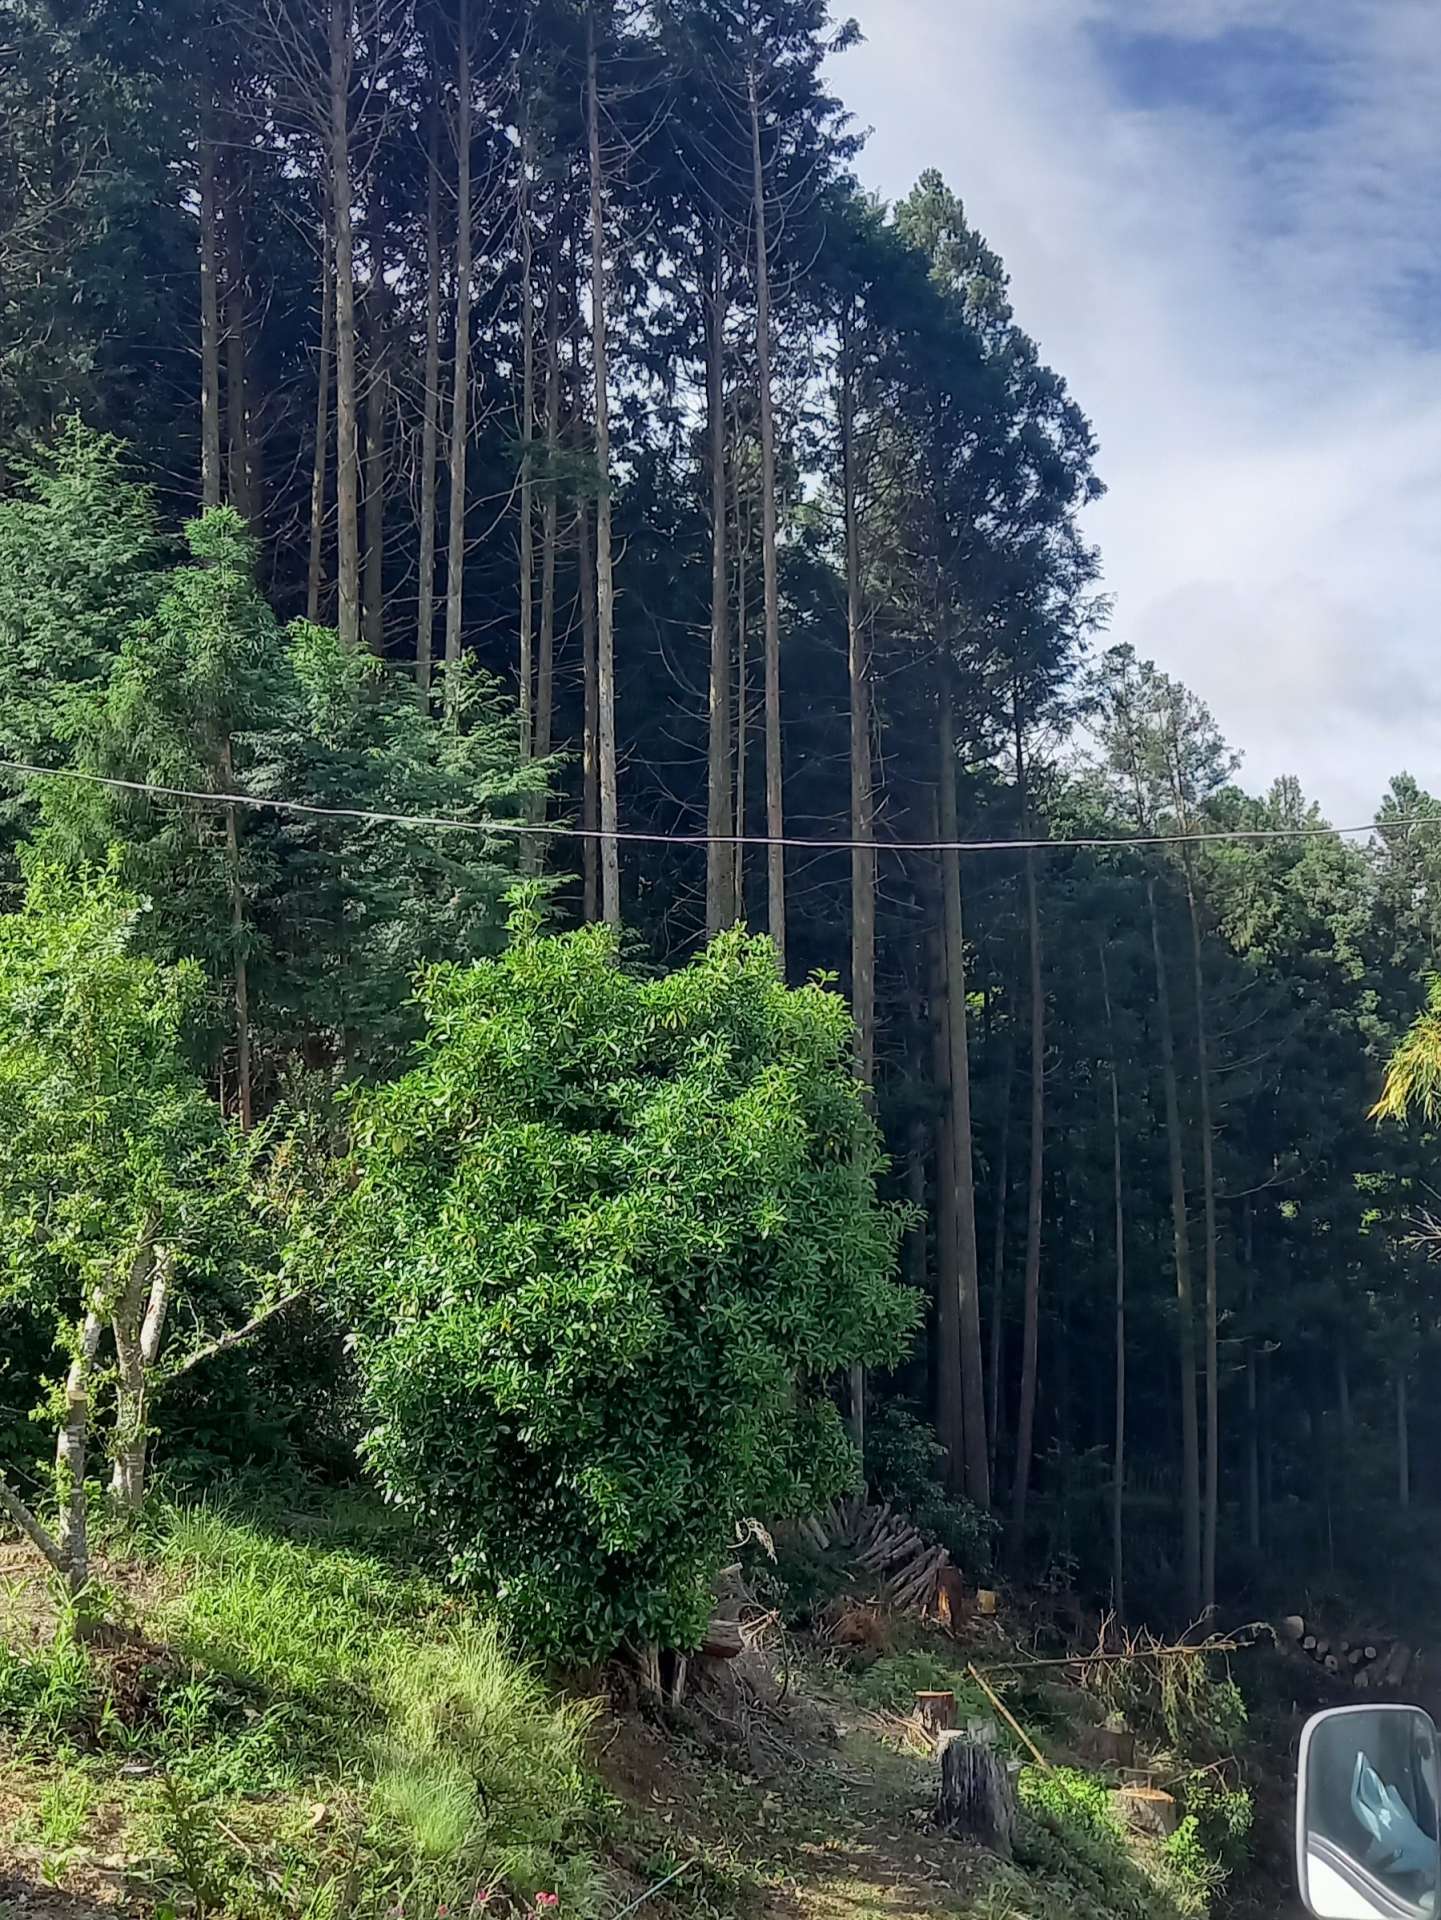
x: 936, y: 1711
x: 1147, y: 1810
x: 976, y: 1801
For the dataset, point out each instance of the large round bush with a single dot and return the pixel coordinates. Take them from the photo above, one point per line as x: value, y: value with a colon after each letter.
x: 604, y: 1247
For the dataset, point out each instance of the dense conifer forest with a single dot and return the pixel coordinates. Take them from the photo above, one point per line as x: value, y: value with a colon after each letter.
x: 490, y: 507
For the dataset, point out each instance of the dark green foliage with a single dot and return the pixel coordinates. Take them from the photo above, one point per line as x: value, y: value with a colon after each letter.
x: 903, y: 1466
x: 604, y: 1246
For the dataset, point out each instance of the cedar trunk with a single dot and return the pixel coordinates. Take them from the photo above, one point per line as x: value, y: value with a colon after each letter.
x: 525, y: 668
x: 1208, y: 1201
x: 430, y: 399
x: 1031, y: 1328
x: 347, y: 445
x: 977, y: 1479
x: 720, y: 889
x: 604, y: 563
x: 314, y: 571
x: 376, y: 395
x: 1185, y: 1300
x: 460, y: 389
x: 775, y: 796
x: 1118, y: 1194
x: 209, y: 313
x: 863, y: 859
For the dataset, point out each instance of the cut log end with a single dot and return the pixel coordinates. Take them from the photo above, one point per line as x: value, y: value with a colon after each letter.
x: 936, y: 1711
x: 1146, y: 1810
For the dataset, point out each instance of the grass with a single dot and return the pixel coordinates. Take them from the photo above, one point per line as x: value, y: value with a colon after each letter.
x: 311, y: 1729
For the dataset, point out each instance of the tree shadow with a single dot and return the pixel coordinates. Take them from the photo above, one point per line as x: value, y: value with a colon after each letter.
x: 27, y: 1896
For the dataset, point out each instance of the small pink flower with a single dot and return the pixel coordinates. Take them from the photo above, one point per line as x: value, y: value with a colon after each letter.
x: 442, y: 1913
x: 544, y: 1901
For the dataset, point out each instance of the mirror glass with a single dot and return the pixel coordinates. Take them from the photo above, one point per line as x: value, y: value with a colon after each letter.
x: 1368, y: 1793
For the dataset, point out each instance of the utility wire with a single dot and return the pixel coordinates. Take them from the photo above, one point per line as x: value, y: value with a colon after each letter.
x: 563, y: 831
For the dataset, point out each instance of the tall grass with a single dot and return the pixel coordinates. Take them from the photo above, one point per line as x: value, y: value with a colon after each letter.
x: 480, y: 1760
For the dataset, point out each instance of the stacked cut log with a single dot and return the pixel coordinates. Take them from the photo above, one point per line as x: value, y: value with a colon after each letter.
x: 1367, y: 1662
x: 886, y: 1544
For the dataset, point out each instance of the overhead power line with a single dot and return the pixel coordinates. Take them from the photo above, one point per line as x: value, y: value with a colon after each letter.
x: 442, y: 823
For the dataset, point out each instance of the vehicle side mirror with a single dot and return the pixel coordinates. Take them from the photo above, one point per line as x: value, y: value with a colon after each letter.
x: 1367, y: 1837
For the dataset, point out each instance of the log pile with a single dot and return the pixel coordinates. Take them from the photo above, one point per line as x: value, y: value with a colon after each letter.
x: 1368, y: 1662
x: 911, y: 1568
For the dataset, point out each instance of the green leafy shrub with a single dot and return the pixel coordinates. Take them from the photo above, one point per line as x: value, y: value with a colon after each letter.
x: 1222, y: 1813
x: 902, y: 1458
x: 604, y: 1246
x: 1194, y: 1876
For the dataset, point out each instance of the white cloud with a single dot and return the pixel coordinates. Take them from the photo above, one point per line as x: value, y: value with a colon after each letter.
x: 1247, y: 309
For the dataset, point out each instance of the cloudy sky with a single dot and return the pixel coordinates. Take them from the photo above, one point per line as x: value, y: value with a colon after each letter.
x: 1223, y: 224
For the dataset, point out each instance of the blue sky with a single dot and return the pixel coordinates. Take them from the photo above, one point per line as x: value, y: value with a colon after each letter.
x: 1223, y: 224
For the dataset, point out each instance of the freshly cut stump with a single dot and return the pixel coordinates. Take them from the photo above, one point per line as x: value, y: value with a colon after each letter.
x: 936, y: 1711
x: 976, y: 1802
x: 1148, y: 1811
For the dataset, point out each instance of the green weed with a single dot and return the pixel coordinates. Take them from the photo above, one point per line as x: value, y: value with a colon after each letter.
x: 48, y: 1693
x: 892, y: 1683
x: 63, y: 1808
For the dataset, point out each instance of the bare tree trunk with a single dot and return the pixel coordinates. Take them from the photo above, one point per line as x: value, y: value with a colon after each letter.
x: 549, y: 519
x: 240, y: 973
x: 1253, y: 1421
x: 743, y: 712
x: 604, y: 565
x: 1185, y: 1301
x: 137, y: 1324
x: 376, y: 395
x: 526, y: 655
x: 347, y: 444
x: 863, y: 859
x: 590, y: 686
x: 1208, y: 1199
x: 770, y: 559
x: 1403, y: 1442
x: 460, y: 391
x: 313, y: 580
x: 720, y: 892
x: 973, y: 1377
x: 209, y: 311
x: 430, y: 400
x: 950, y: 1385
x: 1031, y: 1332
x: 239, y: 458
x: 995, y: 1403
x: 1118, y: 1187
x: 73, y: 1538
x: 585, y: 569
